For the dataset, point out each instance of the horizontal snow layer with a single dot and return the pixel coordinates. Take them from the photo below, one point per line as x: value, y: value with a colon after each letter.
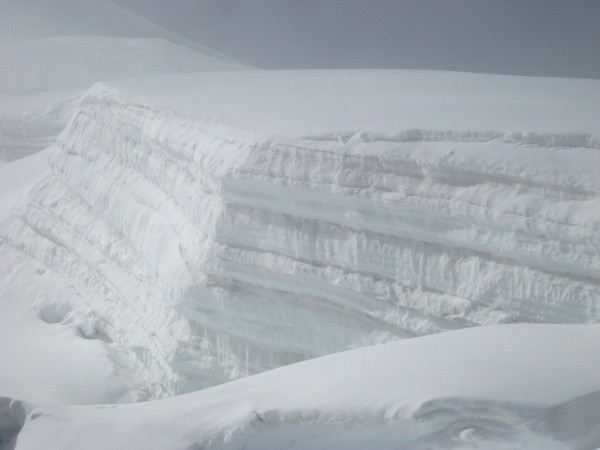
x: 204, y: 253
x: 510, y: 386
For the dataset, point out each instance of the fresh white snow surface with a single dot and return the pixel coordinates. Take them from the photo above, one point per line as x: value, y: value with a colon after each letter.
x: 510, y: 386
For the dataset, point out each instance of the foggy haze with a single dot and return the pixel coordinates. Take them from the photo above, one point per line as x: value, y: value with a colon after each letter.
x: 534, y: 37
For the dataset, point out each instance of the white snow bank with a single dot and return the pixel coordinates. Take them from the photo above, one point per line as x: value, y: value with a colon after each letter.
x: 207, y: 251
x: 511, y: 386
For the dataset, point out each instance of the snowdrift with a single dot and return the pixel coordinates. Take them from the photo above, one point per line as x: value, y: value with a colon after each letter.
x: 508, y: 386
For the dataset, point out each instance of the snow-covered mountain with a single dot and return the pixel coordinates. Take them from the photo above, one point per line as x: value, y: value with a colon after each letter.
x: 182, y: 230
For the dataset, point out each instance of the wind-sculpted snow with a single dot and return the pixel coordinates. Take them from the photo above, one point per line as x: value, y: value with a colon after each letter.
x: 512, y: 386
x: 204, y: 251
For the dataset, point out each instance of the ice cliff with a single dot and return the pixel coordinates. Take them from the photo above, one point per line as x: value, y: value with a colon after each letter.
x: 203, y: 247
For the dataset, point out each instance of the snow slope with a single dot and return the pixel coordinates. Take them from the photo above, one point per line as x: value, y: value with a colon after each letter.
x: 212, y: 226
x: 509, y: 386
x: 51, y: 51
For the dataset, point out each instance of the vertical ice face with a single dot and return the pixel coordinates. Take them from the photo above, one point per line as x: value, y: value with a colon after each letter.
x: 203, y: 253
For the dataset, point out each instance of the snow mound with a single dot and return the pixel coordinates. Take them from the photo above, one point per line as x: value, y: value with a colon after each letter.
x: 509, y: 386
x: 204, y: 243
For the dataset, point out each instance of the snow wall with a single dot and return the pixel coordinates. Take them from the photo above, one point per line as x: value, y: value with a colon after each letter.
x: 202, y: 253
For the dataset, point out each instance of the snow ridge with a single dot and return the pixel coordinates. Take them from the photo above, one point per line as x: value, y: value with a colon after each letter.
x: 204, y: 253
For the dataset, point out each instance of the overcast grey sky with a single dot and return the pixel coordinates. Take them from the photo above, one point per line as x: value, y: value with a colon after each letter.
x: 525, y: 37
